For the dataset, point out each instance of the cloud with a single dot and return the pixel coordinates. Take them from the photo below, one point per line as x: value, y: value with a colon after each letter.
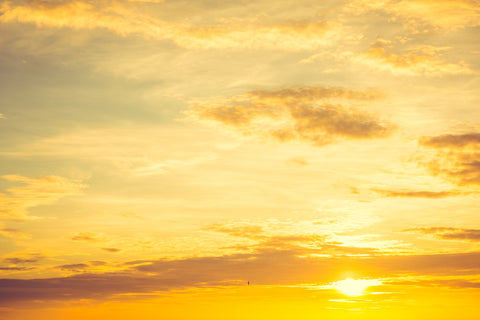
x: 74, y: 267
x: 125, y: 20
x: 455, y: 157
x: 88, y: 237
x: 111, y: 250
x: 2, y: 116
x: 21, y: 260
x: 298, y: 161
x: 418, y: 194
x: 36, y: 192
x: 243, y: 231
x: 307, y: 114
x: 454, y: 141
x: 425, y: 15
x: 267, y: 266
x: 14, y: 233
x: 423, y: 61
x: 16, y: 269
x: 89, y: 266
x: 446, y: 233
x: 453, y: 14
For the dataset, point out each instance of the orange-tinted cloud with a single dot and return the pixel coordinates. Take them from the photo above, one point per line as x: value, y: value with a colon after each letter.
x: 14, y: 233
x: 455, y: 156
x: 113, y: 250
x: 308, y: 114
x: 125, y: 20
x: 454, y: 141
x: 417, y: 194
x: 447, y: 233
x: 88, y: 237
x: 35, y: 192
x: 425, y: 15
x: 425, y: 61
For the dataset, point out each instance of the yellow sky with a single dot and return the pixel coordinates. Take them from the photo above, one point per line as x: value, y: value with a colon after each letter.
x: 239, y: 159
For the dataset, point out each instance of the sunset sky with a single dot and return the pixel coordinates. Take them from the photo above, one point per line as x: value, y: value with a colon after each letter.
x: 218, y: 159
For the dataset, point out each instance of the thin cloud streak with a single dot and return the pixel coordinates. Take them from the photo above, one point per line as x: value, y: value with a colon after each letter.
x: 35, y: 192
x: 448, y: 233
x: 124, y: 20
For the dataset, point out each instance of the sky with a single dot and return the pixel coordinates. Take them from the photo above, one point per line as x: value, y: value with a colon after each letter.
x: 208, y: 159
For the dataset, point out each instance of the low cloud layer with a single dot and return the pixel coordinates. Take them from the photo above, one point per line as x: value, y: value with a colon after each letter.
x: 310, y: 114
x: 265, y: 266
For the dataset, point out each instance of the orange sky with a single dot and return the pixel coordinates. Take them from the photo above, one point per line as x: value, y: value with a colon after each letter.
x: 239, y: 159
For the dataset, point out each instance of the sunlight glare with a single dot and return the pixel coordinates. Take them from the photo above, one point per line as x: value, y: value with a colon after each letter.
x: 353, y: 287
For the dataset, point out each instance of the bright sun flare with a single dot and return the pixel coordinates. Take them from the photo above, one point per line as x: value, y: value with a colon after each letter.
x: 354, y: 288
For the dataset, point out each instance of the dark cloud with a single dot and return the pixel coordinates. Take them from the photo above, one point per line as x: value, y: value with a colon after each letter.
x: 22, y: 260
x: 82, y: 267
x: 16, y: 268
x: 417, y: 194
x: 30, y: 258
x: 73, y: 267
x: 446, y: 233
x: 309, y: 114
x: 266, y: 266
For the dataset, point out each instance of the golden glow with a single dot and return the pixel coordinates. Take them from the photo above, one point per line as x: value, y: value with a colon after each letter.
x: 354, y: 287
x: 181, y: 159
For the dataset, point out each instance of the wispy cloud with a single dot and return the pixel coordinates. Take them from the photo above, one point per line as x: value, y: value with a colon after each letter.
x: 417, y: 194
x: 423, y: 61
x: 424, y: 15
x: 88, y: 237
x: 35, y: 192
x: 26, y: 258
x: 14, y: 233
x: 125, y: 20
x: 447, y: 233
x: 308, y: 114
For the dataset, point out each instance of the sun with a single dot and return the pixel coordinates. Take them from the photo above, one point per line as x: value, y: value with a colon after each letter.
x: 353, y: 287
